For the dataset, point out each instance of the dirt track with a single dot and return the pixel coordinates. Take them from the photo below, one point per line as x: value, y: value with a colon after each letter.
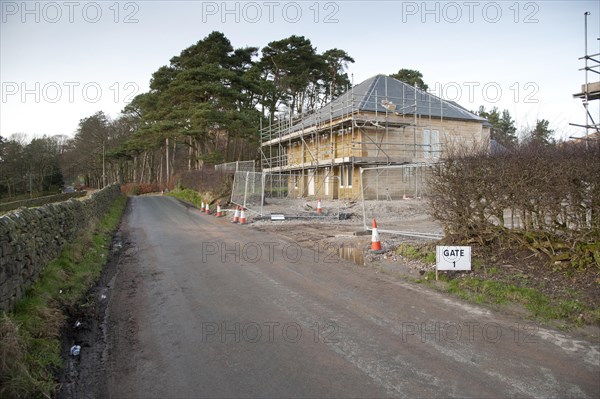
x: 199, y: 307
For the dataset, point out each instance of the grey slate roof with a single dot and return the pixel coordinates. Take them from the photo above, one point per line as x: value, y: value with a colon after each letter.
x: 368, y: 96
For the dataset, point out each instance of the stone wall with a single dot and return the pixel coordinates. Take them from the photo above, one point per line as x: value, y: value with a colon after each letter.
x: 31, y: 237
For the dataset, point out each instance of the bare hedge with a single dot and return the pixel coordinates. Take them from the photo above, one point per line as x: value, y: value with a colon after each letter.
x: 549, y: 190
x: 208, y: 181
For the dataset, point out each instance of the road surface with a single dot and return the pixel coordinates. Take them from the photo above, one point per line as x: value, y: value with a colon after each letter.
x: 200, y: 307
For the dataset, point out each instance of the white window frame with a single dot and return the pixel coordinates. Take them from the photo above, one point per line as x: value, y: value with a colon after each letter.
x: 435, y: 144
x: 349, y: 176
x: 431, y: 143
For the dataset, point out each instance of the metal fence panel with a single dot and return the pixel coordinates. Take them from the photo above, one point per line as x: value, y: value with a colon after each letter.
x: 247, y: 166
x: 248, y: 190
x: 252, y: 189
x: 382, y: 190
x: 277, y: 185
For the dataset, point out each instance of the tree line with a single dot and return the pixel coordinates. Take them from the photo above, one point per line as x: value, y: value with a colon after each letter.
x: 205, y: 106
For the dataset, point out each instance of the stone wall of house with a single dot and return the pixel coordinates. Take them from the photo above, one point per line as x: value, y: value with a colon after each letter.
x: 31, y: 237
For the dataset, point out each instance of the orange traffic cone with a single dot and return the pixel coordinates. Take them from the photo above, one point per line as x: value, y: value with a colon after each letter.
x: 319, y: 209
x: 375, y: 243
x: 243, y: 216
x: 207, y: 208
x: 219, y: 212
x: 202, y: 207
x: 236, y: 215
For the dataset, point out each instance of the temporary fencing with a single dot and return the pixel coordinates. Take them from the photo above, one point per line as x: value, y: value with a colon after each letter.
x: 381, y: 190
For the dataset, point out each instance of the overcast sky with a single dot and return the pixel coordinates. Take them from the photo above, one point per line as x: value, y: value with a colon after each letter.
x: 63, y: 61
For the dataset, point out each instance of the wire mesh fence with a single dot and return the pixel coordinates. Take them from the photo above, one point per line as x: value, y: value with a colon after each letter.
x: 266, y: 194
x: 277, y: 185
x: 237, y: 166
x: 382, y: 190
x: 394, y: 182
x: 248, y: 190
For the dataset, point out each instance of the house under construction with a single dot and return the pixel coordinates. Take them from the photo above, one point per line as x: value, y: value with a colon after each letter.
x: 381, y: 121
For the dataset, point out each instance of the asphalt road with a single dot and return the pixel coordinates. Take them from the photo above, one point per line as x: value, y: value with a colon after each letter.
x: 204, y: 308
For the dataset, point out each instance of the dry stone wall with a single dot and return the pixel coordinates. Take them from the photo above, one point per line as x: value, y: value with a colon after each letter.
x: 31, y: 237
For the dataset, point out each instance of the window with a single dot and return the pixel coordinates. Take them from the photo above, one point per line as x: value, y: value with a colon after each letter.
x: 346, y: 175
x: 431, y: 144
x: 349, y: 175
x: 435, y: 144
x: 295, y: 181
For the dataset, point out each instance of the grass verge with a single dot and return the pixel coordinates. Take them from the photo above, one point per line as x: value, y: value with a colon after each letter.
x: 504, y: 289
x: 188, y: 195
x: 564, y: 312
x: 30, y: 337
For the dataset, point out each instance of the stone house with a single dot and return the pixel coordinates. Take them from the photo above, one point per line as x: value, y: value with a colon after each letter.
x: 381, y: 121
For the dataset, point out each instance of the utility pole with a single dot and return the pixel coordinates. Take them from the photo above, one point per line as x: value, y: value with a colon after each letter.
x: 587, y: 88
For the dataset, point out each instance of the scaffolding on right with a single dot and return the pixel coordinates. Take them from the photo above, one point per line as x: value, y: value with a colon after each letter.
x: 589, y: 91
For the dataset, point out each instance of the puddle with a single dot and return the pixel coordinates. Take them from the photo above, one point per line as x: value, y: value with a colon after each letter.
x: 352, y: 254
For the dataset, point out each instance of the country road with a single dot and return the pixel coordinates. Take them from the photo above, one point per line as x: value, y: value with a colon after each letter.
x: 200, y: 307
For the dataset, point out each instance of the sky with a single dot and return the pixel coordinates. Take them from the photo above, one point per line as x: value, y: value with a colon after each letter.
x: 62, y: 61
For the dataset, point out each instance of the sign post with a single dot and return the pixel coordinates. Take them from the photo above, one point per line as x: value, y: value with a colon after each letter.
x: 452, y: 258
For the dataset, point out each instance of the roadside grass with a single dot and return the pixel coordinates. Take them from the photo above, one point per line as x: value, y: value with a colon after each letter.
x: 423, y: 253
x: 188, y: 195
x: 30, y: 337
x: 491, y: 286
x: 504, y: 294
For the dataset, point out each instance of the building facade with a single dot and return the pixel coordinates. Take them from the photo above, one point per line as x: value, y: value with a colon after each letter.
x: 381, y: 121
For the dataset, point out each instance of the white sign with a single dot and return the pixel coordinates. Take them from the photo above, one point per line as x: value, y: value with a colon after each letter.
x: 453, y: 258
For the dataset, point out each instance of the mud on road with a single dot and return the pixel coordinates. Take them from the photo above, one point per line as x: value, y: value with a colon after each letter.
x: 91, y: 327
x: 347, y: 237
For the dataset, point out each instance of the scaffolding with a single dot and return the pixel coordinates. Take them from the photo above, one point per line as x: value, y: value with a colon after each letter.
x: 363, y: 129
x: 589, y: 91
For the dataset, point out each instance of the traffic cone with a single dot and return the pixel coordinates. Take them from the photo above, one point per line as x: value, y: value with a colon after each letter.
x: 202, y: 207
x: 243, y: 216
x: 319, y: 209
x: 375, y: 243
x: 207, y: 208
x: 236, y: 215
x: 219, y: 213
